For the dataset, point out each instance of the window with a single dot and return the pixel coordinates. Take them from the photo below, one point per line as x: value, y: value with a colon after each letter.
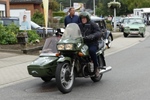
x: 2, y: 14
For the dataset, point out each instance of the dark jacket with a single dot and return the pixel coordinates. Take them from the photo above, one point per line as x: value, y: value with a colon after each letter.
x: 74, y: 19
x: 90, y: 28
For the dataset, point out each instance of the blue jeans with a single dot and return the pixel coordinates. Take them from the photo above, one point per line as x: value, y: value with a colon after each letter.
x: 92, y: 51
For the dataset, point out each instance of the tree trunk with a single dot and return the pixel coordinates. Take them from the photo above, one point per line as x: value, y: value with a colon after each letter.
x: 50, y: 17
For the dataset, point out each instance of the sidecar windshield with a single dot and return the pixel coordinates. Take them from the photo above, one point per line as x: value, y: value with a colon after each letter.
x: 50, y: 45
x: 72, y: 31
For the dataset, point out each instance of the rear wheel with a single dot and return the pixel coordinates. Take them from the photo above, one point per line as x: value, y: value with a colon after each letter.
x: 94, y: 78
x: 46, y: 79
x: 64, y: 80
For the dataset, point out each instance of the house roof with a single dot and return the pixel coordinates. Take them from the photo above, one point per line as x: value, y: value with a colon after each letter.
x: 26, y: 1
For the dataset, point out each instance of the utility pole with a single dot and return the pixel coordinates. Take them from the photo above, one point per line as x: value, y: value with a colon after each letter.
x: 94, y: 6
x: 114, y: 18
x: 60, y: 5
x: 70, y: 3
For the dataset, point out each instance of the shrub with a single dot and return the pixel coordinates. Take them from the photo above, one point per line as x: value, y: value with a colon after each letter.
x: 62, y: 20
x: 60, y: 13
x: 33, y: 36
x: 38, y: 17
x: 8, y: 34
x: 109, y: 26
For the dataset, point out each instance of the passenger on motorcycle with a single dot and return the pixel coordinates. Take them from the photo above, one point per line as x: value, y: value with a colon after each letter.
x: 91, y: 33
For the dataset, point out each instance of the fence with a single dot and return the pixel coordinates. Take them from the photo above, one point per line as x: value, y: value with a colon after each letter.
x: 50, y: 31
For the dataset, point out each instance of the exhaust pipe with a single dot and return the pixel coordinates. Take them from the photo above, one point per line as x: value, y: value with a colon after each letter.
x: 106, y: 69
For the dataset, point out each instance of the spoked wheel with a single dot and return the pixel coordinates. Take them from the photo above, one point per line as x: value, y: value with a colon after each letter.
x: 109, y: 42
x: 64, y: 80
x: 46, y: 79
x: 96, y: 79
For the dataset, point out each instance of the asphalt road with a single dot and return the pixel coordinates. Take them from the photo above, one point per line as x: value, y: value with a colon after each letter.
x: 128, y: 79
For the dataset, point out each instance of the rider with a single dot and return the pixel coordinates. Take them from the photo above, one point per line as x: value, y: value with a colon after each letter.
x: 91, y: 33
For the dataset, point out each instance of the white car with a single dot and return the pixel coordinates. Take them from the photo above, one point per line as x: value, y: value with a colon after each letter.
x: 34, y: 26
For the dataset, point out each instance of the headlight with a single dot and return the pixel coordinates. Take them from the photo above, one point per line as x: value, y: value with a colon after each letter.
x: 60, y: 47
x: 141, y: 27
x: 69, y: 46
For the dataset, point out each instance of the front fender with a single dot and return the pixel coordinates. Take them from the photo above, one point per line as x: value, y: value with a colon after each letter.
x: 62, y: 59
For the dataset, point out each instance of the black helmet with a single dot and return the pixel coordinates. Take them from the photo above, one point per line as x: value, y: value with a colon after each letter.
x: 85, y: 14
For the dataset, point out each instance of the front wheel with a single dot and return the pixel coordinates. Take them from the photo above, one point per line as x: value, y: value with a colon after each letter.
x: 64, y: 80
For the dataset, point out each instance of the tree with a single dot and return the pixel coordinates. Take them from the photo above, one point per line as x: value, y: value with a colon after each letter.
x: 53, y: 6
x: 38, y: 17
x: 136, y: 4
x: 100, y: 9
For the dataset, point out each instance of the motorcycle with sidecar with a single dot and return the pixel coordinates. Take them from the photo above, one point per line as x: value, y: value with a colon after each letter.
x: 66, y: 59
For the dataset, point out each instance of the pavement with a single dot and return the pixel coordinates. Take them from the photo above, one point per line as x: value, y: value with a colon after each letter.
x: 13, y: 66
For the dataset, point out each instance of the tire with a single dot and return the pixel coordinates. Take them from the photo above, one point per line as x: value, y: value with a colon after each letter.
x: 63, y: 80
x: 125, y: 34
x: 109, y: 42
x: 143, y: 35
x: 97, y: 79
x: 46, y: 79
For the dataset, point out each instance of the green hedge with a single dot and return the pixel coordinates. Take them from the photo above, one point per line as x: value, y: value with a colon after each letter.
x: 60, y: 13
x: 8, y: 35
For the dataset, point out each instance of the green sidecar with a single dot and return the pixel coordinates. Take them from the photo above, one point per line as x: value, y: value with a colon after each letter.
x: 45, y: 65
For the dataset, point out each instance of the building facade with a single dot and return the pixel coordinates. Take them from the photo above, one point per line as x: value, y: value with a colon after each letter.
x: 4, y: 8
x: 22, y: 5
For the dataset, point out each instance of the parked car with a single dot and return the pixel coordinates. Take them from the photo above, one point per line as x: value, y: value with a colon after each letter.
x: 117, y: 21
x: 107, y: 35
x: 34, y: 26
x: 42, y: 30
x: 135, y: 25
x: 122, y: 24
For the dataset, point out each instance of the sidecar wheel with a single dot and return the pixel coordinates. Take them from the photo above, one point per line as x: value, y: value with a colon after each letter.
x: 46, y: 79
x: 96, y: 79
x: 63, y: 79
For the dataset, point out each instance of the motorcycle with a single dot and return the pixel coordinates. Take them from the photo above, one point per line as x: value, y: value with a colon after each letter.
x: 107, y: 37
x: 66, y: 58
x: 74, y: 59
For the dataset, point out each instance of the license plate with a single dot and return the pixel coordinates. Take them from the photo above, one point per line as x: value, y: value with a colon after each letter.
x: 134, y: 32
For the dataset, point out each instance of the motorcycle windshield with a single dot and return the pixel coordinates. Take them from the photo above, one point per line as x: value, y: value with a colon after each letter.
x: 72, y: 31
x: 50, y: 45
